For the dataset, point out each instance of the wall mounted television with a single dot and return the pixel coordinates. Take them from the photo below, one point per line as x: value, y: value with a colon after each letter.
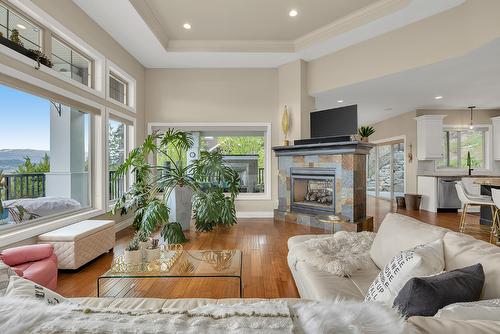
x: 335, y: 122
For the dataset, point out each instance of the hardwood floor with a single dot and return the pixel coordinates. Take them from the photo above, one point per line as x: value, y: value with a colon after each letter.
x: 265, y: 270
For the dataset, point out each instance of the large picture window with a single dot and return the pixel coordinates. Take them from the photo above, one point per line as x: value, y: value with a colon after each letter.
x: 30, y: 35
x: 44, y: 160
x: 459, y: 143
x: 71, y: 63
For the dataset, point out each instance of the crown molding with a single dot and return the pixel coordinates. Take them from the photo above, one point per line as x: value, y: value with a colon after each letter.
x: 350, y: 22
x: 230, y: 46
x: 147, y: 14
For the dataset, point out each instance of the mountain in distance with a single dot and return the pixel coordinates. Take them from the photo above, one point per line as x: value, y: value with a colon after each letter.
x: 11, y: 158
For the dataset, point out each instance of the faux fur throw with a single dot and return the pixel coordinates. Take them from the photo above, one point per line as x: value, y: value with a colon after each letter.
x: 340, y: 254
x: 273, y: 316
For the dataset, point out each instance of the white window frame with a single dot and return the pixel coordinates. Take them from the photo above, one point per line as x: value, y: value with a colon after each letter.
x: 250, y: 126
x: 30, y: 10
x: 97, y: 160
x: 488, y: 149
x: 81, y: 54
x: 113, y: 69
x: 130, y: 132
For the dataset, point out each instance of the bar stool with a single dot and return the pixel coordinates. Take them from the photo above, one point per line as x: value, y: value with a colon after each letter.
x: 495, y: 228
x: 468, y: 200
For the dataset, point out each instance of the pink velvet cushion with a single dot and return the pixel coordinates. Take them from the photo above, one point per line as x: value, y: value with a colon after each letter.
x: 23, y: 254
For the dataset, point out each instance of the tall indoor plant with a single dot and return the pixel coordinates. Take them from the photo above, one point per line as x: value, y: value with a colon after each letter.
x: 213, y: 203
x: 148, y: 195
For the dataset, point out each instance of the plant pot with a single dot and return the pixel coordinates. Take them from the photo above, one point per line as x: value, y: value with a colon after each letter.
x: 364, y: 139
x: 144, y: 244
x: 181, y: 206
x: 132, y: 257
x: 152, y: 254
x: 4, y: 216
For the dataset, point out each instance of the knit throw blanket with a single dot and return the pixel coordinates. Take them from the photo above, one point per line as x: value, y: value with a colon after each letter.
x: 340, y: 254
x: 270, y: 316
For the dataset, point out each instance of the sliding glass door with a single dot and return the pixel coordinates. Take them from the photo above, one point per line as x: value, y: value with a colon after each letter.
x: 386, y: 170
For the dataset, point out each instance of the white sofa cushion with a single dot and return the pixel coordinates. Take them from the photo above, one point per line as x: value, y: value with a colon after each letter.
x: 76, y: 231
x: 398, y: 232
x: 431, y: 325
x: 462, y: 250
x: 481, y: 310
x: 423, y: 260
x: 22, y: 288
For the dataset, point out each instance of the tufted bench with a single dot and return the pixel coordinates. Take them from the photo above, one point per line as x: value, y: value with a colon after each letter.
x: 77, y: 244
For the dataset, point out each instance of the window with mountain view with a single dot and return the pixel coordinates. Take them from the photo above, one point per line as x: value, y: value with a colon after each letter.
x: 44, y: 159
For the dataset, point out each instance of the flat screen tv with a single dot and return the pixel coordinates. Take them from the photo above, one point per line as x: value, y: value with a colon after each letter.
x: 334, y: 122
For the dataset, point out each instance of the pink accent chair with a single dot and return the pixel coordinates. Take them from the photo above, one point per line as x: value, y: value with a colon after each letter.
x: 37, y: 263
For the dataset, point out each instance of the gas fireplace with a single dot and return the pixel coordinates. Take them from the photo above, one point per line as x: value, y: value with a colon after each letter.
x: 313, y: 190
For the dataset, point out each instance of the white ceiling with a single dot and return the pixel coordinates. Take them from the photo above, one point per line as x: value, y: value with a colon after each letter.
x: 473, y: 79
x: 248, y: 20
x: 249, y: 33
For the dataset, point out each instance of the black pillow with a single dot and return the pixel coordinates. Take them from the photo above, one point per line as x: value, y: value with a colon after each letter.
x: 425, y: 296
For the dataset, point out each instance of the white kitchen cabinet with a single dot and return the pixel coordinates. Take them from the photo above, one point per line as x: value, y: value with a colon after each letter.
x: 430, y: 137
x: 427, y: 187
x: 496, y: 137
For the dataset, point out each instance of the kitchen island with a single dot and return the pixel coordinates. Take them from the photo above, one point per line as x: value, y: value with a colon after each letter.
x: 486, y: 185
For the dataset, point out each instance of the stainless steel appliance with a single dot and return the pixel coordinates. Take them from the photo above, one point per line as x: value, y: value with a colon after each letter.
x: 447, y: 193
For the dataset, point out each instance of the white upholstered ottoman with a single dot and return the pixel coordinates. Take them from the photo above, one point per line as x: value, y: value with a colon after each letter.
x: 77, y: 244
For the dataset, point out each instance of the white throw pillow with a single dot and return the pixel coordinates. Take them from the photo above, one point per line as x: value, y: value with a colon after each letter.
x: 481, y: 310
x: 423, y: 260
x: 23, y: 288
x: 5, y: 274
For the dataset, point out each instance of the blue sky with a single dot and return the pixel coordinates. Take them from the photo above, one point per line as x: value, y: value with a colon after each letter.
x: 24, y: 120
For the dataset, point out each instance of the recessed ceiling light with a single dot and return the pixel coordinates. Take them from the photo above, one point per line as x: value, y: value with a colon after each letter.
x: 20, y: 26
x: 293, y: 13
x: 208, y: 138
x: 439, y: 97
x: 340, y: 101
x: 187, y: 26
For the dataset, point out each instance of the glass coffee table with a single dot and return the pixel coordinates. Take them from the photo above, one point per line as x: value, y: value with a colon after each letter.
x: 181, y: 264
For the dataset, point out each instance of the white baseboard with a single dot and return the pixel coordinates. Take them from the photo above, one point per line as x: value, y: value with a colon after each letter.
x: 124, y: 224
x: 254, y: 214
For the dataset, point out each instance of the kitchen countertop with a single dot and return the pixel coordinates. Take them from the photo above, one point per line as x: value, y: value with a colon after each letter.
x: 459, y: 175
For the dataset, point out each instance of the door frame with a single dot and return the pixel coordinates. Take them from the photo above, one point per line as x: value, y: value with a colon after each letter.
x: 387, y: 141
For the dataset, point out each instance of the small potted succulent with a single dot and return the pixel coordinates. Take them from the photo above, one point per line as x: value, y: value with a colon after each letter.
x: 365, y: 132
x: 153, y: 251
x: 132, y: 254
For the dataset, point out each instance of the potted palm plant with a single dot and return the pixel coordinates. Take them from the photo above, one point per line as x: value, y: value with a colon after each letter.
x: 149, y: 194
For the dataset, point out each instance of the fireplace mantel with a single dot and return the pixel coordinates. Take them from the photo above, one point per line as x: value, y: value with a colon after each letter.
x: 346, y: 147
x: 346, y: 159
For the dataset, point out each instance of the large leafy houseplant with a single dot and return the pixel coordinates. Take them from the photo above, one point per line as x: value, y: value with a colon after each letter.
x: 213, y: 203
x: 148, y: 195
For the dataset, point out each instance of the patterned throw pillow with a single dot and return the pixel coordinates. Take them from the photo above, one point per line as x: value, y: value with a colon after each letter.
x: 5, y: 273
x: 23, y: 288
x: 423, y: 260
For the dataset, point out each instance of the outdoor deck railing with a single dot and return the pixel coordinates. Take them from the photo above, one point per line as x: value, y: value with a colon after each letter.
x: 116, y: 186
x: 24, y: 186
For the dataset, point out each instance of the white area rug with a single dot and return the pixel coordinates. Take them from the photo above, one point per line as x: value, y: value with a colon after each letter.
x: 340, y: 254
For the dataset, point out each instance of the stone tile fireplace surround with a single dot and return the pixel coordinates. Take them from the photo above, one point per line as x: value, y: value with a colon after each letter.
x: 322, y: 179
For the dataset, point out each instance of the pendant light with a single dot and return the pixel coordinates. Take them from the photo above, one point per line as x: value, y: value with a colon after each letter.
x: 471, y: 126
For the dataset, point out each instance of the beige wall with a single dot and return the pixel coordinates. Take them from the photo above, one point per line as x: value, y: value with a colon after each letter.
x: 212, y: 95
x: 405, y: 125
x: 450, y: 34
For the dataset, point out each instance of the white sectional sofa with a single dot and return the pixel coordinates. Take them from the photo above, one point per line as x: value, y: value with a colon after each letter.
x: 398, y: 232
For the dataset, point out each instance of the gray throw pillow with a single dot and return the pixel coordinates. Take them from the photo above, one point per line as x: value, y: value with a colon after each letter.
x: 424, y: 296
